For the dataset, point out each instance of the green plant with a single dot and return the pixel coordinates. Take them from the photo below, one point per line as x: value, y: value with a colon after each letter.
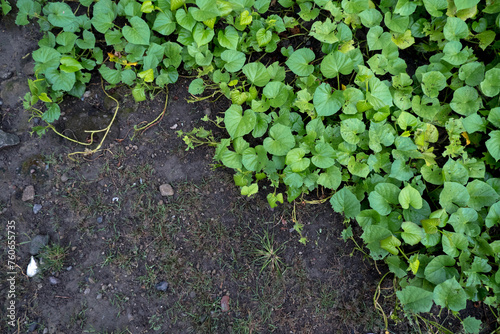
x: 390, y: 107
x: 268, y: 255
x: 53, y: 257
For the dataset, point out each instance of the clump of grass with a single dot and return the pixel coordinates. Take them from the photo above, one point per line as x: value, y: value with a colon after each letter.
x: 53, y: 257
x: 268, y: 255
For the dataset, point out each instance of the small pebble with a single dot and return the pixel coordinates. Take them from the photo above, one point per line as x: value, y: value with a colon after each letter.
x: 87, y: 291
x: 54, y: 280
x: 37, y: 208
x: 99, y: 296
x: 100, y: 220
x: 69, y: 268
x: 166, y: 190
x: 224, y: 303
x: 161, y: 286
x: 64, y: 178
x: 28, y: 193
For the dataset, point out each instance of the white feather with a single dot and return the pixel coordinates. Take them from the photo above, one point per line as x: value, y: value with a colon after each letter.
x: 32, y: 268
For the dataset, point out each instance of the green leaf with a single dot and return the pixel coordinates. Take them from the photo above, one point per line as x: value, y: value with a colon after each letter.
x: 234, y: 60
x: 139, y: 93
x: 379, y: 95
x: 410, y: 196
x: 324, y: 31
x: 60, y: 15
x: 325, y: 103
x: 415, y: 299
x: 493, y: 144
x: 481, y: 195
x: 299, y: 61
x: 196, y: 87
x: 295, y: 159
x: 66, y: 40
x: 490, y: 86
x: 472, y: 325
x: 412, y: 232
x: 104, y: 13
x: 138, y: 32
x: 344, y: 201
x: 350, y: 129
x: 465, y: 4
x: 377, y: 39
x: 280, y: 140
x: 401, y: 171
x: 201, y: 35
x: 111, y: 76
x: 263, y: 37
x: 370, y: 17
x: 455, y: 29
x: 494, y: 117
x: 454, y: 54
x: 52, y: 113
x: 453, y: 196
x: 390, y: 244
x: 440, y: 269
x: 466, y: 101
x: 228, y: 38
x: 88, y: 41
x: 396, y: 23
x: 324, y: 155
x: 432, y: 83
x: 434, y: 7
x: 46, y: 58
x: 255, y: 159
x: 239, y: 124
x: 452, y: 242
x: 184, y: 19
x: 383, y: 196
x: 493, y: 217
x: 430, y: 225
x: 257, y: 74
x: 70, y: 65
x: 454, y: 171
x: 6, y: 7
x: 335, y: 63
x: 60, y: 80
x: 331, y: 178
x: 450, y: 294
x: 472, y: 73
x: 164, y: 23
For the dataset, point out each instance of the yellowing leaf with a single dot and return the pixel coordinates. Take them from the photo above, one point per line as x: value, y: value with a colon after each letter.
x: 347, y: 46
x: 403, y: 41
x: 466, y: 136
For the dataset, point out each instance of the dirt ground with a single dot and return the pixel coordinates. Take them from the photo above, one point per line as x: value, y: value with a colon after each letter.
x: 129, y: 260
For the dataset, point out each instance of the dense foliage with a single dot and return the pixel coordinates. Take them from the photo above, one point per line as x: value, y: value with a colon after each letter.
x: 391, y: 106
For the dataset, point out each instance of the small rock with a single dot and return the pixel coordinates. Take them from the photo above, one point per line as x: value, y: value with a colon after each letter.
x: 99, y: 296
x: 161, y: 286
x: 6, y: 75
x: 87, y: 291
x: 192, y: 294
x: 166, y: 190
x: 28, y: 193
x: 37, y: 243
x: 100, y: 219
x: 45, y: 331
x: 224, y: 303
x: 64, y: 177
x: 130, y: 316
x: 33, y: 326
x: 69, y: 268
x: 54, y: 280
x: 207, y: 111
x: 37, y: 208
x: 8, y: 139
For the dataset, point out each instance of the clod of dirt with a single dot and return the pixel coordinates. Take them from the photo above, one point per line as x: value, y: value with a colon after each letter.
x: 224, y: 303
x: 161, y: 286
x: 38, y: 242
x: 28, y: 193
x: 54, y: 280
x: 166, y: 190
x: 37, y: 208
x: 8, y: 139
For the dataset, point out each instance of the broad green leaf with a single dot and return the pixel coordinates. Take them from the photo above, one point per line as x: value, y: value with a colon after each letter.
x: 104, y: 13
x: 481, y: 195
x: 60, y: 15
x: 465, y: 4
x: 415, y: 299
x: 196, y: 87
x: 228, y: 38
x: 70, y: 65
x: 430, y: 225
x: 335, y: 63
x: 52, y: 113
x: 257, y: 74
x: 405, y: 7
x: 493, y: 144
x: 250, y: 190
x: 324, y: 31
x: 486, y: 38
x: 454, y: 171
x: 88, y: 41
x: 175, y: 4
x: 435, y: 7
x: 454, y: 54
x: 440, y: 269
x: 450, y: 294
x: 472, y: 73
x: 330, y: 178
x: 185, y: 19
x: 60, y: 80
x: 273, y: 199
x: 403, y: 41
x: 26, y: 8
x: 280, y: 140
x: 231, y: 159
x: 355, y: 6
x: 324, y: 155
x: 378, y: 95
x: 466, y: 101
x: 357, y: 167
x: 201, y: 35
x: 490, y: 86
x: 344, y: 201
x: 453, y: 196
x: 396, y: 23
x: 263, y: 37
x: 239, y: 124
x: 66, y: 40
x: 255, y: 159
x: 377, y: 39
x: 455, y: 29
x: 295, y: 159
x: 380, y: 134
x: 46, y: 58
x: 138, y: 32
x: 493, y: 217
x: 6, y: 7
x: 494, y: 117
x: 391, y: 244
x: 370, y: 17
x: 164, y: 23
x: 412, y: 232
x: 401, y: 171
x: 299, y: 61
x: 472, y: 325
x: 397, y: 266
x: 234, y: 60
x: 410, y: 196
x: 350, y: 129
x: 325, y: 103
x: 383, y: 198
x: 111, y: 76
x: 432, y: 83
x: 276, y: 93
x: 452, y: 242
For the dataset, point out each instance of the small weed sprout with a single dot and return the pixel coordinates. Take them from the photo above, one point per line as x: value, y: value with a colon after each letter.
x: 268, y: 255
x: 53, y: 257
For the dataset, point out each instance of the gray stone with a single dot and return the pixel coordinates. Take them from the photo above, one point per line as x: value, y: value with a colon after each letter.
x: 37, y: 208
x: 28, y: 193
x: 64, y: 177
x: 87, y: 291
x: 37, y: 243
x: 161, y: 286
x: 166, y: 190
x: 8, y: 139
x: 54, y: 280
x: 100, y: 219
x: 99, y: 296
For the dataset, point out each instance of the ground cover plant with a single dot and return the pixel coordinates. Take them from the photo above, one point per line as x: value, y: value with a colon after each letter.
x: 388, y: 109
